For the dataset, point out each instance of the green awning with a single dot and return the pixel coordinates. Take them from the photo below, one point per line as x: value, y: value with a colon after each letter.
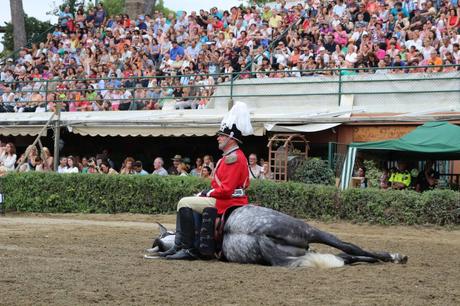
x: 433, y: 140
x: 439, y: 140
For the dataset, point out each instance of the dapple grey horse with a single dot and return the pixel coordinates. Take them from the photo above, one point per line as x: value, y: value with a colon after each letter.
x: 259, y: 235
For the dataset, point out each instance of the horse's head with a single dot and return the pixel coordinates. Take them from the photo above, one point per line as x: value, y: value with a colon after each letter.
x: 164, y: 241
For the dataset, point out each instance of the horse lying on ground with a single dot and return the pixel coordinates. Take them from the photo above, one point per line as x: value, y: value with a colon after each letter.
x: 259, y: 235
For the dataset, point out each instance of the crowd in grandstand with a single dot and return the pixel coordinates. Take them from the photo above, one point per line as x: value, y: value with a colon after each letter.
x: 154, y: 61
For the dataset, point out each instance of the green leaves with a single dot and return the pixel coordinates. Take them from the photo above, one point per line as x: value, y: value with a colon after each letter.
x: 36, y: 32
x: 314, y: 171
x: 51, y: 192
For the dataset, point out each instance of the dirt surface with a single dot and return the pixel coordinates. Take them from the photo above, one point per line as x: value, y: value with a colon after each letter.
x: 86, y: 259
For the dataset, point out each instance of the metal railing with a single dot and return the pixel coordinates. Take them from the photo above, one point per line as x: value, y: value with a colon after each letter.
x: 143, y: 92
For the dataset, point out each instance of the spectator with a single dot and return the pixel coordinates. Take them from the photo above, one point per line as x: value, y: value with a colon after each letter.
x: 173, y: 170
x: 182, y: 169
x: 71, y: 165
x: 92, y: 166
x: 105, y: 156
x: 158, y: 167
x: 137, y: 166
x: 206, y: 173
x: 428, y: 178
x: 400, y: 178
x: 106, y: 169
x: 255, y: 171
x: 8, y: 157
x: 27, y: 160
x: 38, y: 164
x: 362, y: 177
x: 7, y: 100
x: 100, y: 15
x: 127, y: 167
x: 208, y: 162
x: 266, y: 174
x: 435, y: 60
x: 62, y: 168
x: 198, y: 167
x: 65, y: 19
x: 84, y: 166
x: 48, y: 160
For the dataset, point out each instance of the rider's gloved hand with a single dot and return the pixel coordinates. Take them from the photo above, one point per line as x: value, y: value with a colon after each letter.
x: 203, y: 193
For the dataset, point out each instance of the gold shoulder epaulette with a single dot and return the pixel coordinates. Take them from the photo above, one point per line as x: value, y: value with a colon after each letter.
x: 231, y: 158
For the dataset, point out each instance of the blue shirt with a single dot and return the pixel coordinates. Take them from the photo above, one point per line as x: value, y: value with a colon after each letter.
x: 179, y: 50
x: 65, y: 18
x: 395, y: 12
x: 143, y: 172
x: 142, y: 26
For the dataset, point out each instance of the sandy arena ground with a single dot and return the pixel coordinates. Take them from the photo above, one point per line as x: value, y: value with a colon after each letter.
x: 86, y: 259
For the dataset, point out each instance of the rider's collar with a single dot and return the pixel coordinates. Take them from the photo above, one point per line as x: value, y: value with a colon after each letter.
x: 231, y: 150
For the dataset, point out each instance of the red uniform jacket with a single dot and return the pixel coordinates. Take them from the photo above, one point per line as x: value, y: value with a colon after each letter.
x: 231, y: 173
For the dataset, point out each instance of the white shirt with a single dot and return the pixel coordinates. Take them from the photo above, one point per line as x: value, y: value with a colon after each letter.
x: 351, y: 57
x: 456, y: 56
x: 255, y: 172
x: 417, y: 43
x: 426, y: 51
x: 339, y: 9
x: 62, y: 169
x: 162, y: 172
x: 8, y: 161
x: 71, y: 170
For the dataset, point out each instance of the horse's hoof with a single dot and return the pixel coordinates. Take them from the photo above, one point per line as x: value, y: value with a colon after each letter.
x: 154, y: 250
x: 147, y: 256
x: 399, y: 258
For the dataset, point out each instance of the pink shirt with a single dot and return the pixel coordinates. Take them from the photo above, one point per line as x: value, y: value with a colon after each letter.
x: 341, y: 38
x: 72, y: 107
x: 380, y: 54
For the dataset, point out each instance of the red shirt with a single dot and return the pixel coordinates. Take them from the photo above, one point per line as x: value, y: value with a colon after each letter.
x: 231, y: 173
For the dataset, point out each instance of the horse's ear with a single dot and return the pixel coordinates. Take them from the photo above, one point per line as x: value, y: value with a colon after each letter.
x: 163, y: 230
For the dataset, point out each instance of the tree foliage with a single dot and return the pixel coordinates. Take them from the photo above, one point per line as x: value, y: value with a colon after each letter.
x: 35, y: 31
x: 255, y: 2
x: 314, y: 171
x: 112, y: 7
x: 160, y: 7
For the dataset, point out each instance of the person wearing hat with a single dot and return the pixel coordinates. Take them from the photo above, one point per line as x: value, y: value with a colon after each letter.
x: 177, y: 159
x: 229, y: 184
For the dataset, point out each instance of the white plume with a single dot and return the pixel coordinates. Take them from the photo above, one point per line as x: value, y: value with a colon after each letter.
x: 238, y: 115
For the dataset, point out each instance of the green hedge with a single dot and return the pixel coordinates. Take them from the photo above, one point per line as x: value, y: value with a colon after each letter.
x: 50, y: 192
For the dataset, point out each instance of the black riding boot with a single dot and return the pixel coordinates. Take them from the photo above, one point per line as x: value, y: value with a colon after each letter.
x: 177, y: 240
x: 207, y: 246
x: 187, y: 251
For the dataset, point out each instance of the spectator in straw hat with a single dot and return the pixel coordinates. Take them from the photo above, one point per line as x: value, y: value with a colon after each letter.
x: 177, y: 159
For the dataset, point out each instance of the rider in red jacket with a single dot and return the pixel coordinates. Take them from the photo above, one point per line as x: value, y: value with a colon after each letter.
x: 229, y: 184
x: 231, y: 179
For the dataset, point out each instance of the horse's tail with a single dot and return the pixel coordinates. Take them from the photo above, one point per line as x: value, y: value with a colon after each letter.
x: 316, y: 260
